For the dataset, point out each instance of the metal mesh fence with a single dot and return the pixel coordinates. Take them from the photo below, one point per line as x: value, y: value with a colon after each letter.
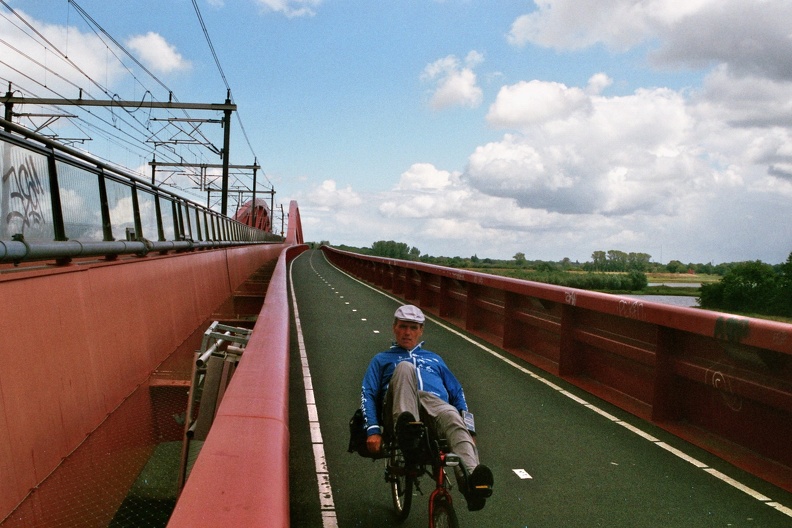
x: 125, y: 472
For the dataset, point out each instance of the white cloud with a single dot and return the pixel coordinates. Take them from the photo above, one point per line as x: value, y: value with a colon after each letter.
x: 329, y: 196
x: 567, y: 24
x: 425, y: 176
x: 597, y: 83
x: 753, y: 38
x: 454, y: 83
x: 23, y: 52
x: 291, y: 8
x: 526, y: 103
x: 587, y: 154
x: 157, y: 53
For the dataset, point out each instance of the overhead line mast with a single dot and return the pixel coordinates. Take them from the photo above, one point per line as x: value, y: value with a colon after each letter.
x: 9, y: 100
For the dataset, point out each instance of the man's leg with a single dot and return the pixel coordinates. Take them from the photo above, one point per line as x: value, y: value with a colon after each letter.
x: 447, y: 423
x: 402, y: 395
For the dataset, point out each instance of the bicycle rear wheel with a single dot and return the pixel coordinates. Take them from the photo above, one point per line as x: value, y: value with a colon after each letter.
x: 443, y: 514
x: 401, y: 485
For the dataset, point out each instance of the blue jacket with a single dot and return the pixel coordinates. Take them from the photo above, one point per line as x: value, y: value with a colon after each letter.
x: 433, y: 376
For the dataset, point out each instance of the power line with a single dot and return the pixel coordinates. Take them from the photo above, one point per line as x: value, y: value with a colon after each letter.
x: 222, y: 75
x: 131, y: 137
x: 211, y: 47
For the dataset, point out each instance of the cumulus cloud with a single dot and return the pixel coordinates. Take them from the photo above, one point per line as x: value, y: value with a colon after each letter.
x: 329, y: 196
x: 454, y: 81
x: 291, y: 8
x: 580, y: 153
x: 22, y: 52
x: 424, y: 176
x: 753, y: 38
x: 157, y: 53
x: 567, y: 24
x: 526, y: 103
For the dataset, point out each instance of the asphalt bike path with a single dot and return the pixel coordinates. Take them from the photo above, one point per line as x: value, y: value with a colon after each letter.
x: 560, y: 456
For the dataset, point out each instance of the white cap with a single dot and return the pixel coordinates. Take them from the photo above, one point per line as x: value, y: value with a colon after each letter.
x: 410, y: 313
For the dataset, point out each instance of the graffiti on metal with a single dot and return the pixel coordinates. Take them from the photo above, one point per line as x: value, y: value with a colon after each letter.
x: 722, y: 382
x: 631, y: 309
x: 732, y: 329
x: 570, y: 298
x: 26, y: 197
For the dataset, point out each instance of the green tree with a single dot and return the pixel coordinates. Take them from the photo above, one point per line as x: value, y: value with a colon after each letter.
x: 617, y: 260
x: 751, y: 287
x: 676, y: 266
x: 391, y: 249
x: 599, y: 261
x: 638, y: 261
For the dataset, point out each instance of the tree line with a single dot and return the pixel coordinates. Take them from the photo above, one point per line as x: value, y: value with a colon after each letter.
x: 752, y: 287
x: 746, y: 287
x: 609, y: 261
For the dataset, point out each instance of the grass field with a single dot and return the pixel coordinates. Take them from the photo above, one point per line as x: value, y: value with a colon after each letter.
x: 682, y: 278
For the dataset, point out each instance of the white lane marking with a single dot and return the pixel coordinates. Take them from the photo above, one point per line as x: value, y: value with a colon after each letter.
x: 780, y: 507
x: 683, y: 456
x: 602, y: 413
x: 739, y: 485
x: 728, y: 480
x: 327, y: 504
x: 571, y: 396
x: 643, y: 434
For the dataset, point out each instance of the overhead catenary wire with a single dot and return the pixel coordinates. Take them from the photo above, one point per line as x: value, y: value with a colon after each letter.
x: 223, y: 76
x: 32, y: 34
x: 137, y: 135
x: 64, y: 57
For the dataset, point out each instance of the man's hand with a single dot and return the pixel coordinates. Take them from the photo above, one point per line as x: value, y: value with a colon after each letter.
x: 374, y: 444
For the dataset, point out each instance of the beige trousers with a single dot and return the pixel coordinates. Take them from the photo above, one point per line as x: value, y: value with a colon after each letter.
x: 442, y: 419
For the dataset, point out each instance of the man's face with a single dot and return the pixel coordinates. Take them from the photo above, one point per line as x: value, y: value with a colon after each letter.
x: 407, y: 334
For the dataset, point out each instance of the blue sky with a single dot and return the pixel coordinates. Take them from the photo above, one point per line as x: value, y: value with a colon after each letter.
x: 554, y: 128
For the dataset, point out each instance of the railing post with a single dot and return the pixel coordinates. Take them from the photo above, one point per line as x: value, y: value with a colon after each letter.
x: 55, y: 198
x: 107, y: 227
x: 664, y: 405
x: 570, y: 362
x: 511, y: 334
x: 136, y: 213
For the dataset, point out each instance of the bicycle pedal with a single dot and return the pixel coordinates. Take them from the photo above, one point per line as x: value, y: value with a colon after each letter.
x: 452, y: 460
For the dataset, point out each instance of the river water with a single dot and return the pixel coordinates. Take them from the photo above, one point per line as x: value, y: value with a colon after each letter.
x: 676, y: 300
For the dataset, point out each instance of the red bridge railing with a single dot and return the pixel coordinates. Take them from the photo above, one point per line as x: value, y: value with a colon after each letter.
x: 241, y: 477
x: 720, y: 381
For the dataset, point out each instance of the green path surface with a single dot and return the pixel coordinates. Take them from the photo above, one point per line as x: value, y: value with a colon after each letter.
x: 587, y: 469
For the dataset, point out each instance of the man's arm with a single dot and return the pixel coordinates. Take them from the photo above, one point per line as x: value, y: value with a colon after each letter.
x: 456, y: 396
x: 369, y: 396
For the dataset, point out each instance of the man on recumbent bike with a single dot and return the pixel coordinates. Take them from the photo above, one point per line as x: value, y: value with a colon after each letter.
x: 410, y: 383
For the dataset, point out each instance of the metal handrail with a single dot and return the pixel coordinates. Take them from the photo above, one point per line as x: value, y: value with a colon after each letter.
x: 223, y: 231
x: 20, y: 251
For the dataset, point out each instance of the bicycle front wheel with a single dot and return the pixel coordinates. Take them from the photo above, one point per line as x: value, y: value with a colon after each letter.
x: 443, y: 514
x: 401, y: 485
